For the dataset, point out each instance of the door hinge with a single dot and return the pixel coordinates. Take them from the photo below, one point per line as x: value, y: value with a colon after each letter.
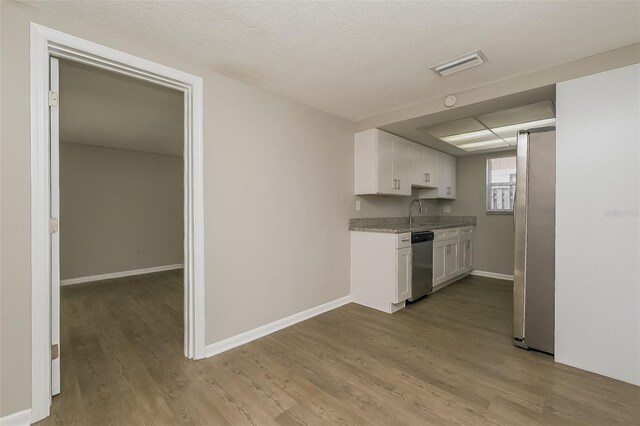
x: 54, y: 225
x: 55, y: 352
x: 53, y: 99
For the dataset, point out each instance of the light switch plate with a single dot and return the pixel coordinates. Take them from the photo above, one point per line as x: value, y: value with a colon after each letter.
x: 446, y: 209
x: 358, y: 205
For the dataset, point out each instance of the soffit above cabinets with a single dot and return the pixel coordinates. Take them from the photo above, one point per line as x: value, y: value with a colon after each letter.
x: 493, y: 130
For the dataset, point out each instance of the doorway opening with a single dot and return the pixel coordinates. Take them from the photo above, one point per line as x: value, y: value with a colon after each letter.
x: 117, y: 250
x: 48, y: 47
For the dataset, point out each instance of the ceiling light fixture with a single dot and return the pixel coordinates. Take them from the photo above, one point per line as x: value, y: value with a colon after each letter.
x: 462, y: 63
x: 467, y: 136
x: 496, y: 143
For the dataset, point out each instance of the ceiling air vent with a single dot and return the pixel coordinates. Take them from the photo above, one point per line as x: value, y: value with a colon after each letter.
x: 462, y: 63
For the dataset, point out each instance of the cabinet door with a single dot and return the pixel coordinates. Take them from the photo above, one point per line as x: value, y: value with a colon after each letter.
x: 439, y: 259
x: 468, y: 256
x: 446, y: 176
x: 430, y: 164
x: 401, y: 166
x: 418, y: 174
x: 451, y: 259
x: 403, y: 274
x: 452, y: 177
x: 461, y: 248
x: 465, y: 254
x: 423, y: 166
x: 386, y: 182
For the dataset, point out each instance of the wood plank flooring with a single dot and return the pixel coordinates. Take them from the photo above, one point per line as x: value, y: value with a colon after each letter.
x: 447, y: 359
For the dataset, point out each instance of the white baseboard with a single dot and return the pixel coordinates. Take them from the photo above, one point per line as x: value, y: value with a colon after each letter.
x: 256, y: 333
x: 120, y: 274
x: 492, y: 275
x: 21, y: 418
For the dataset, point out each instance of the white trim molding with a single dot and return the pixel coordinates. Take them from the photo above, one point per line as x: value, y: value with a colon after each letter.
x: 44, y: 43
x: 120, y: 274
x: 21, y: 418
x: 495, y: 275
x: 256, y: 333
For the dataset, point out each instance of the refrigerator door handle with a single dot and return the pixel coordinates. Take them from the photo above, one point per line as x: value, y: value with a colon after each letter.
x: 520, y: 231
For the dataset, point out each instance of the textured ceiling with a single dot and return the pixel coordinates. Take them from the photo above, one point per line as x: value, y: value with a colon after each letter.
x: 103, y: 108
x: 358, y: 59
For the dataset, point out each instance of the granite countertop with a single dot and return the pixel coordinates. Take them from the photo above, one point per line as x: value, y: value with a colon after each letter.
x: 398, y: 225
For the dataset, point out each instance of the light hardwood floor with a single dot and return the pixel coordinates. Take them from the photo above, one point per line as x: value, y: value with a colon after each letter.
x: 447, y: 359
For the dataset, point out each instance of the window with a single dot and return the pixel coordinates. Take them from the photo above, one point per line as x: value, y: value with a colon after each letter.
x: 501, y: 184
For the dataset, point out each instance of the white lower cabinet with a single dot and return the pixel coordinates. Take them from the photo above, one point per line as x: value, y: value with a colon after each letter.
x: 452, y: 254
x: 445, y: 260
x: 381, y: 270
x: 381, y: 265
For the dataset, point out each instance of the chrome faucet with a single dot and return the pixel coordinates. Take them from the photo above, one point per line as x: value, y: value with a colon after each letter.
x: 419, y: 209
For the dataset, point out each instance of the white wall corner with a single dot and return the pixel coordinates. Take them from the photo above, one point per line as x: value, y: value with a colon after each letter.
x: 256, y: 333
x: 21, y: 418
x: 495, y: 275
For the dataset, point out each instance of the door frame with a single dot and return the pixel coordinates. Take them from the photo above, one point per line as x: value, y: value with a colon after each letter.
x: 46, y: 42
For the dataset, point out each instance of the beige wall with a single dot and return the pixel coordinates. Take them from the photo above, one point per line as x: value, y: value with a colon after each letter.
x: 493, y: 239
x: 278, y: 185
x: 392, y: 206
x: 119, y: 210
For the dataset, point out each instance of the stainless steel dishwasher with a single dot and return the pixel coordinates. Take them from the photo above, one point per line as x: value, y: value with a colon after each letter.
x: 422, y: 270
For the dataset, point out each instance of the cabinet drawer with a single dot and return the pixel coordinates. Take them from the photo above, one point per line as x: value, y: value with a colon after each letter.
x: 445, y: 234
x: 403, y: 240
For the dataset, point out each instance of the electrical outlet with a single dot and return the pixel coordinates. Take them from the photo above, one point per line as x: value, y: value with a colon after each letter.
x: 357, y: 205
x: 446, y: 209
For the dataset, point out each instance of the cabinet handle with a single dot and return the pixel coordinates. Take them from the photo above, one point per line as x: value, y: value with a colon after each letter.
x: 398, y: 183
x: 428, y: 177
x: 404, y: 240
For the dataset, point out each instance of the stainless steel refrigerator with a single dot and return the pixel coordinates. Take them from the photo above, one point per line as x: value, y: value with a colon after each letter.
x: 534, y: 223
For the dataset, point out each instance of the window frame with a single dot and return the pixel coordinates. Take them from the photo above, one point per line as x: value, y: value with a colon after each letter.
x: 488, y: 188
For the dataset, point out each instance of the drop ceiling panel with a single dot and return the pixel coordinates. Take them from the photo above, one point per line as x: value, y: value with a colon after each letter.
x: 510, y: 131
x: 494, y: 130
x: 456, y: 127
x: 522, y: 114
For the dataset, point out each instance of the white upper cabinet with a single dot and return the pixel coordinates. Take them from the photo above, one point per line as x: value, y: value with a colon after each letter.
x: 388, y: 164
x: 423, y: 166
x: 446, y: 178
x: 381, y: 163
